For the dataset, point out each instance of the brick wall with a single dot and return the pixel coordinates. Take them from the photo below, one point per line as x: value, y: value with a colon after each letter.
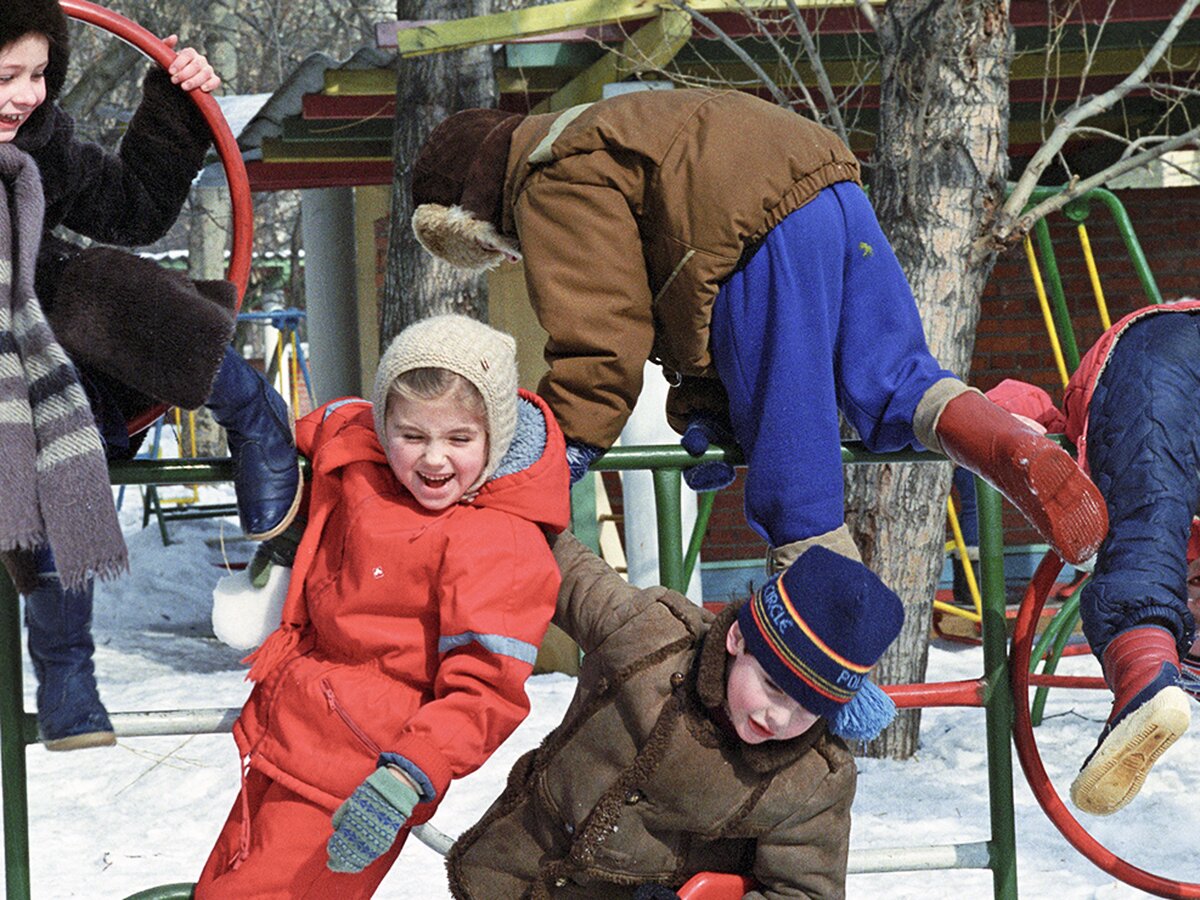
x: 1011, y: 340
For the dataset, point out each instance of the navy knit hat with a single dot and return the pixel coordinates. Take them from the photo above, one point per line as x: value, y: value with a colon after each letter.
x: 817, y: 629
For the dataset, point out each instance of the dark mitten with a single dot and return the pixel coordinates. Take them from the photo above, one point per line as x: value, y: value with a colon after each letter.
x: 654, y: 892
x: 278, y: 551
x: 22, y: 568
x: 707, y: 476
x: 579, y: 457
x: 366, y: 825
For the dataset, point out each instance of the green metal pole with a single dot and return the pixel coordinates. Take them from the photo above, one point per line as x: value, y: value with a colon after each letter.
x: 998, y: 700
x: 704, y: 508
x: 670, y: 529
x: 1069, y: 613
x: 1058, y: 300
x: 12, y: 747
x: 583, y: 512
x: 1132, y: 246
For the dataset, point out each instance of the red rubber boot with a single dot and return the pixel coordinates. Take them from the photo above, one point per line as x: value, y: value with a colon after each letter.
x: 1035, y: 474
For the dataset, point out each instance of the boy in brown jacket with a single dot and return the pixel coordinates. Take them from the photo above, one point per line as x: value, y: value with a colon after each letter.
x: 693, y: 743
x: 728, y: 240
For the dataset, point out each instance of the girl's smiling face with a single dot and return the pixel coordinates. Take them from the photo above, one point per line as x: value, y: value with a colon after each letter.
x: 436, y: 448
x: 22, y: 81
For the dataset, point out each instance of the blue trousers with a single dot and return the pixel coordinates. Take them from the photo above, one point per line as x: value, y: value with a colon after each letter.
x: 820, y: 318
x: 1144, y: 455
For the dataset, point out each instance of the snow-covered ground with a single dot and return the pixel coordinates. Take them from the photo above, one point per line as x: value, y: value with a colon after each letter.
x: 108, y: 823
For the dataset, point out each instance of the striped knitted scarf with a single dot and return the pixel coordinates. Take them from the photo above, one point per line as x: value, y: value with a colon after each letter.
x: 54, y: 479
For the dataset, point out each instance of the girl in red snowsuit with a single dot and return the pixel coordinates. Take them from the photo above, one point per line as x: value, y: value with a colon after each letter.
x: 421, y: 589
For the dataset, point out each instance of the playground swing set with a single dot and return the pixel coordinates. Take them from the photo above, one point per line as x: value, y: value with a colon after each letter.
x: 1002, y: 689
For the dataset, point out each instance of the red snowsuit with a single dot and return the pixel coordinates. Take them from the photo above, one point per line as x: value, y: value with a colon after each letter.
x: 406, y: 632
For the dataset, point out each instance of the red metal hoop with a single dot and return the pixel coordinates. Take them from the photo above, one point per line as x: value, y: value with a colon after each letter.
x: 1031, y: 761
x: 231, y: 157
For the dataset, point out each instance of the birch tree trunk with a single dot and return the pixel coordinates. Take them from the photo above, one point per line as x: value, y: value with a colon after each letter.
x: 428, y: 89
x: 211, y: 209
x: 936, y: 183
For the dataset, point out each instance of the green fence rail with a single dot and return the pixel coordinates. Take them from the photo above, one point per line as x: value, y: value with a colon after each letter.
x: 18, y: 729
x: 678, y: 557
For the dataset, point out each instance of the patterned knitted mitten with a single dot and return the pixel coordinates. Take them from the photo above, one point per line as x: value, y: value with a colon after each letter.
x: 366, y: 825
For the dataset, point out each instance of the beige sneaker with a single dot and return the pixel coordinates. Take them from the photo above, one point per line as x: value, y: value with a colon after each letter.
x: 1117, y: 768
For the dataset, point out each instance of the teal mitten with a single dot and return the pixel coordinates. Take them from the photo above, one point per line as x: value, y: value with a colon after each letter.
x: 366, y: 825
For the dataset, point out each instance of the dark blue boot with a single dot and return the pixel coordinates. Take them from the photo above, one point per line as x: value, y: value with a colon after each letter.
x: 266, y: 469
x: 69, y: 712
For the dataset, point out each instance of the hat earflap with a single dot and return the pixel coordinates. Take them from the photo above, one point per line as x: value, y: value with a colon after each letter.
x: 866, y: 714
x: 465, y: 241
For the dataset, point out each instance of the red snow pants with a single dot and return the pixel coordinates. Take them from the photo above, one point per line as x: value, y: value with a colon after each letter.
x: 286, y: 853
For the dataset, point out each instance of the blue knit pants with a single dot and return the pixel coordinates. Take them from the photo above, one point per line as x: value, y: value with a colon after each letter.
x: 1144, y: 455
x: 821, y: 318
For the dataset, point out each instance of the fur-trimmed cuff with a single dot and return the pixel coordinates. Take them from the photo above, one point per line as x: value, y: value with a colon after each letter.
x: 149, y: 328
x: 456, y: 236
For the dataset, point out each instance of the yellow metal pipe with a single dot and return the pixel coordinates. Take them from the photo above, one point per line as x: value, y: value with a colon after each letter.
x: 964, y: 557
x: 951, y: 609
x: 295, y: 370
x: 1094, y: 275
x: 194, y: 496
x: 1047, y: 317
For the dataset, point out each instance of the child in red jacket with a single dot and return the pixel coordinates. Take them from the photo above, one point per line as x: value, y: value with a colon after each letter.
x: 421, y: 588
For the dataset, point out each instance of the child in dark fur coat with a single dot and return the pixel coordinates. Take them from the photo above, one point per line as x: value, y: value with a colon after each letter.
x: 139, y: 335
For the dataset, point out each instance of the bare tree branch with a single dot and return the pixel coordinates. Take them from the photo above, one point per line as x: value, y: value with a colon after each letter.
x: 814, y: 59
x: 784, y: 58
x: 1184, y: 89
x: 1078, y: 188
x: 868, y: 12
x: 1007, y: 222
x: 780, y: 97
x: 1094, y: 48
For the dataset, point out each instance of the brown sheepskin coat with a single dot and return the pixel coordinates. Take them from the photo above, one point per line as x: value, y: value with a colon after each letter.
x: 640, y: 783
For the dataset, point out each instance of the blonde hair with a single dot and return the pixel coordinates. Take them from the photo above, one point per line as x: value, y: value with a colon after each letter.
x: 430, y: 383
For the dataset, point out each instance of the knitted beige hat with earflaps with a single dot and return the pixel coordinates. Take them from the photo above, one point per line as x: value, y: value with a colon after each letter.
x: 479, y: 353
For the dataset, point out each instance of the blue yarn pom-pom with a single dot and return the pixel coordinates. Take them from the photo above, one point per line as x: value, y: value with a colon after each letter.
x: 868, y: 713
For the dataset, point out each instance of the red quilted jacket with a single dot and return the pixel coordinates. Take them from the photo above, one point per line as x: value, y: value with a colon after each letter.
x: 1078, y: 395
x: 405, y: 631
